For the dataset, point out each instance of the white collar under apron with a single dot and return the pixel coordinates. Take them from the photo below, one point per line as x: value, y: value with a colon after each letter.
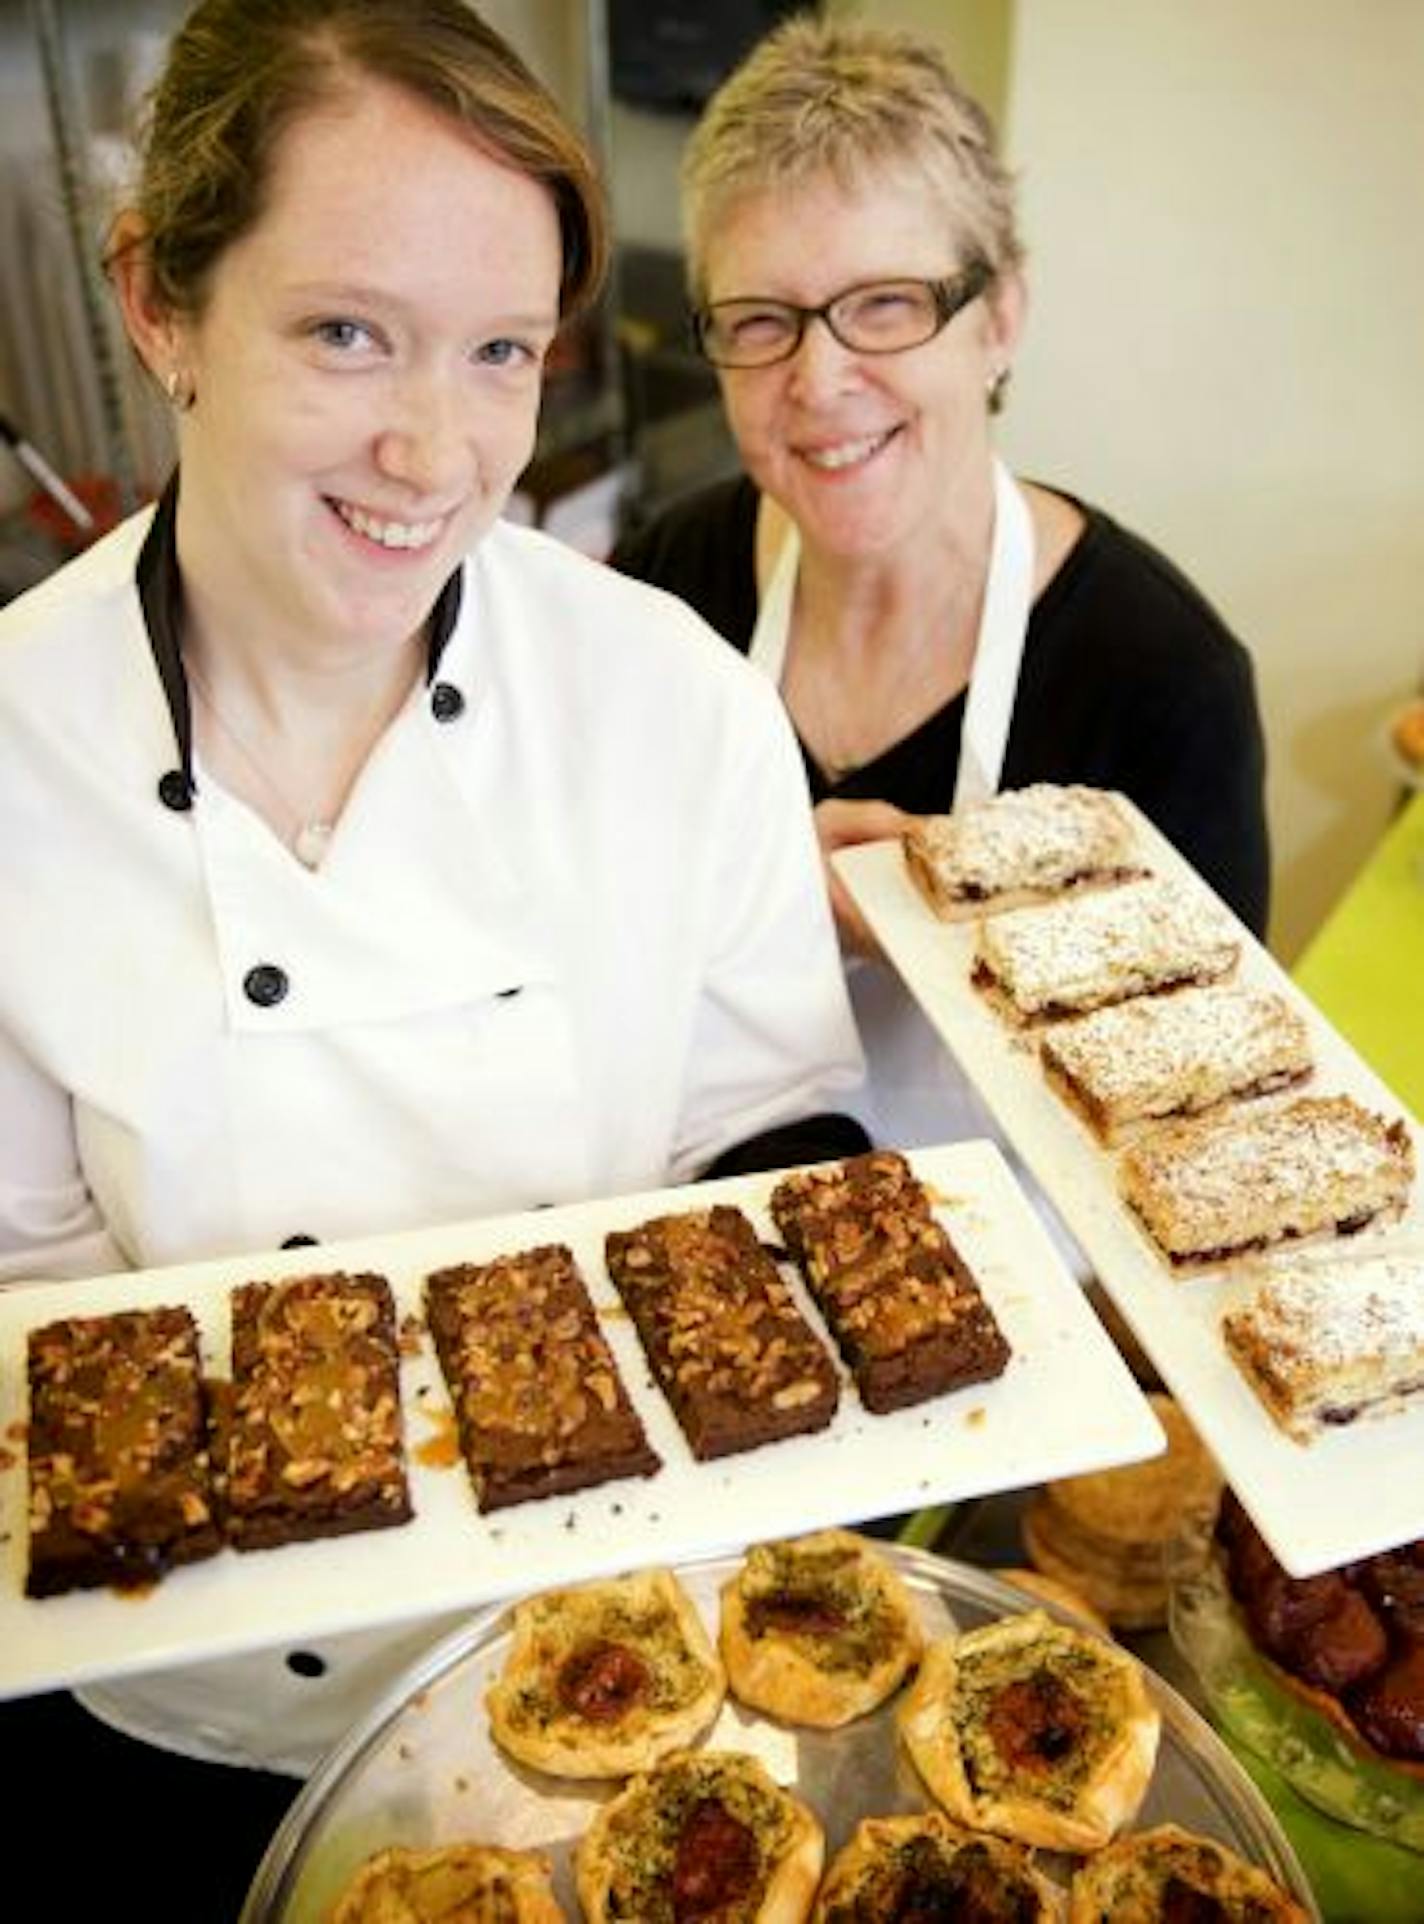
x: 1003, y: 623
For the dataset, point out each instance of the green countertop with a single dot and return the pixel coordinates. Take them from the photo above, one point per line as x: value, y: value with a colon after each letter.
x: 1364, y: 968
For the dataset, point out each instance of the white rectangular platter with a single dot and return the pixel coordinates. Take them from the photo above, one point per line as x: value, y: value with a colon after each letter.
x: 1065, y: 1404
x: 1343, y: 1496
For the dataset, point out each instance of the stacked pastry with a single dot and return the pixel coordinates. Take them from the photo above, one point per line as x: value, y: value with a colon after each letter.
x: 1107, y: 1534
x: 1028, y: 1735
x: 1130, y: 986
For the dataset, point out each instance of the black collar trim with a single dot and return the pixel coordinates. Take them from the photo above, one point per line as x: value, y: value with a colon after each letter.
x: 160, y: 593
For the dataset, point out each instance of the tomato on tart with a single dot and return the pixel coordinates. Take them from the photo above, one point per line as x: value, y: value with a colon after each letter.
x: 817, y: 1629
x: 918, y: 1868
x: 1161, y: 1875
x: 1033, y: 1730
x: 604, y: 1678
x: 705, y: 1834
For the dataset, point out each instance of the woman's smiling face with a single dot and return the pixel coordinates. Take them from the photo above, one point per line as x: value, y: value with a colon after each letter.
x: 367, y: 371
x: 864, y: 451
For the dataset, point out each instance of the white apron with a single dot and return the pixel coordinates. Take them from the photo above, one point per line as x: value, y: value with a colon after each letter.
x: 915, y: 1092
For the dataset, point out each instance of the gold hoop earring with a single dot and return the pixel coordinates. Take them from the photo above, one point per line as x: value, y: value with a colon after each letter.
x: 996, y: 388
x: 179, y: 392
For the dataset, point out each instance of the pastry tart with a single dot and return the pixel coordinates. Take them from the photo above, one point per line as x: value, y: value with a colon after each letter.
x: 1161, y: 1875
x: 925, y: 1867
x: 817, y: 1630
x: 1033, y: 1730
x: 401, y: 1886
x: 604, y: 1678
x: 705, y: 1834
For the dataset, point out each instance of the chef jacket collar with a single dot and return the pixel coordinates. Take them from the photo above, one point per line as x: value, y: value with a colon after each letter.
x: 160, y: 592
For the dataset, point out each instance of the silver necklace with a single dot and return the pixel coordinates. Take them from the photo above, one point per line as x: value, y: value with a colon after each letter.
x: 308, y: 837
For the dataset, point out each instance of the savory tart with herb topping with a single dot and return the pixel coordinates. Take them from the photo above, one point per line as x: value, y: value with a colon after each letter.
x: 400, y: 1886
x: 924, y: 1867
x: 705, y: 1834
x: 817, y: 1630
x: 1157, y: 1876
x: 605, y: 1678
x: 1033, y: 1730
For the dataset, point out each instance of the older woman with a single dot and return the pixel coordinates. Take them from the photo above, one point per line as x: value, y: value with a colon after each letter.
x: 331, y: 905
x: 937, y: 629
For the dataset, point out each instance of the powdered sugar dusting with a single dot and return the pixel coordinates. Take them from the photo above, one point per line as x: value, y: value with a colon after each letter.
x: 1223, y: 1183
x: 1327, y: 1315
x: 1180, y: 1052
x: 1040, y: 837
x: 1090, y: 950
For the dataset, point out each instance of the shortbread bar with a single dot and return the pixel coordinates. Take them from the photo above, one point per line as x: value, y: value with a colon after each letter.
x: 1174, y: 1055
x: 1328, y: 1342
x: 1222, y: 1185
x: 1026, y: 845
x: 1093, y: 950
x: 906, y: 1313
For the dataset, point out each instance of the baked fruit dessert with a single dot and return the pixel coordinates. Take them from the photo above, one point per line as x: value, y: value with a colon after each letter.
x: 704, y: 1834
x: 1168, y: 1875
x: 118, y: 1461
x: 1090, y: 951
x: 1165, y: 1056
x: 731, y: 1352
x: 1024, y: 845
x: 314, y: 1444
x: 1033, y: 1730
x: 1352, y: 1639
x: 817, y: 1630
x: 1325, y: 1343
x: 450, y: 1883
x: 906, y: 1313
x: 1223, y: 1186
x: 605, y: 1678
x: 540, y: 1407
x: 923, y: 1868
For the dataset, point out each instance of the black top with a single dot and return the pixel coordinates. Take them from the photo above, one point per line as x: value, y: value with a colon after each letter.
x: 1129, y: 680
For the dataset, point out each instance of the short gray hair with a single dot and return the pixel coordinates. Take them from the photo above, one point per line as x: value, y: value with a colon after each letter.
x: 842, y: 100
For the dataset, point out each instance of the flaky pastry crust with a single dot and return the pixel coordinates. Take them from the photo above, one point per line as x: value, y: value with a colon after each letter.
x: 1033, y: 1730
x: 604, y: 1678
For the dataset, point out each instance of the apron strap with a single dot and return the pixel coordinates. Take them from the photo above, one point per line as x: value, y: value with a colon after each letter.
x: 998, y: 651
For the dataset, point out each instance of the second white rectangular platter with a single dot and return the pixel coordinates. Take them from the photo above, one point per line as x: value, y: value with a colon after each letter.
x: 1318, y: 1505
x: 1065, y: 1404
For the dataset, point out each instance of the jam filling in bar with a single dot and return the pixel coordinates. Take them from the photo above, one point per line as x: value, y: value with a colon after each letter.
x: 730, y: 1350
x: 1327, y: 1342
x: 1220, y: 1186
x: 1093, y: 950
x: 313, y: 1444
x: 1174, y: 1055
x: 118, y: 1465
x: 905, y: 1312
x: 1024, y: 845
x: 539, y: 1404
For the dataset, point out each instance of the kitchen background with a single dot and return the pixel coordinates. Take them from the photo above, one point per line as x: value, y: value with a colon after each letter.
x: 1222, y: 205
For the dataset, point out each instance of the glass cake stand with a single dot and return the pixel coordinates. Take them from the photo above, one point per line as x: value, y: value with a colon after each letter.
x: 421, y: 1769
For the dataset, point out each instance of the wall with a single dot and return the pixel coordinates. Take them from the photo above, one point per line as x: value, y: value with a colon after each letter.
x: 1223, y: 206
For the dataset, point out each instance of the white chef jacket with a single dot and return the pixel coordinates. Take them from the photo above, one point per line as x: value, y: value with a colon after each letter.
x: 570, y: 939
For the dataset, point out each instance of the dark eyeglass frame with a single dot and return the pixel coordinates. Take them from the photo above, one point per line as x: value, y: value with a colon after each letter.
x: 951, y: 295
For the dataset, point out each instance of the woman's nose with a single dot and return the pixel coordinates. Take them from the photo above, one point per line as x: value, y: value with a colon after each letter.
x: 425, y: 442
x: 821, y: 363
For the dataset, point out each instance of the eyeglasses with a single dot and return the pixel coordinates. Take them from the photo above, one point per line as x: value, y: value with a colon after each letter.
x: 876, y: 317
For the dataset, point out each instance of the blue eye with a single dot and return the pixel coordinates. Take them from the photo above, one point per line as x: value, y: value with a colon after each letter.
x: 342, y: 335
x: 505, y: 352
